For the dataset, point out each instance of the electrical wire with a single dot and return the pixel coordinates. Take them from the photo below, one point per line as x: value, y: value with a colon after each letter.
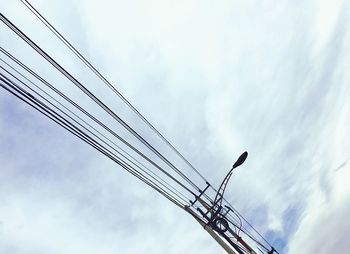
x: 114, y: 90
x: 93, y: 97
x: 85, y: 112
x: 34, y: 102
x: 73, y: 117
x: 105, y: 81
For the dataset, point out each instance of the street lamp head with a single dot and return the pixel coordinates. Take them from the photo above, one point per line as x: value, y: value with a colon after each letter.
x: 240, y: 160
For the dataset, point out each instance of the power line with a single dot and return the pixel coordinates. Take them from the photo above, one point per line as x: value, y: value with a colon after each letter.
x: 105, y: 81
x: 113, y: 89
x: 34, y: 102
x: 85, y: 112
x: 74, y: 118
x: 110, y: 86
x: 93, y: 97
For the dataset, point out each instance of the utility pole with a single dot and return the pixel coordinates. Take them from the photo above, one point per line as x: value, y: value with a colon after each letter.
x: 216, y: 220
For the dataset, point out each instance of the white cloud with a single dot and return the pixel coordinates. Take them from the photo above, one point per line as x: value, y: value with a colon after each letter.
x: 217, y: 79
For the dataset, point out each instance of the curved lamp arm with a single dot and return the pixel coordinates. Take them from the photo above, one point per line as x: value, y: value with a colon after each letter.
x: 222, y: 188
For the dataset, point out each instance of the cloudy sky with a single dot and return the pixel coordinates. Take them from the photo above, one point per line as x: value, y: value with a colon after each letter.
x: 216, y: 78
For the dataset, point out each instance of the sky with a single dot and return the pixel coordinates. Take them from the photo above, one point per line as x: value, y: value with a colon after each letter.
x: 216, y: 78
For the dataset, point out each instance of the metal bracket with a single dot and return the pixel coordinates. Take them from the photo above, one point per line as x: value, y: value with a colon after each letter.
x: 200, y: 194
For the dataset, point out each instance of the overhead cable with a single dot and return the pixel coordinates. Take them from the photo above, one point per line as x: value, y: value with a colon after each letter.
x: 93, y: 97
x: 34, y: 102
x: 97, y: 134
x: 104, y: 80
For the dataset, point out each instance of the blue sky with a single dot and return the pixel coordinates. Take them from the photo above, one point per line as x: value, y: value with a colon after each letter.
x: 216, y: 79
